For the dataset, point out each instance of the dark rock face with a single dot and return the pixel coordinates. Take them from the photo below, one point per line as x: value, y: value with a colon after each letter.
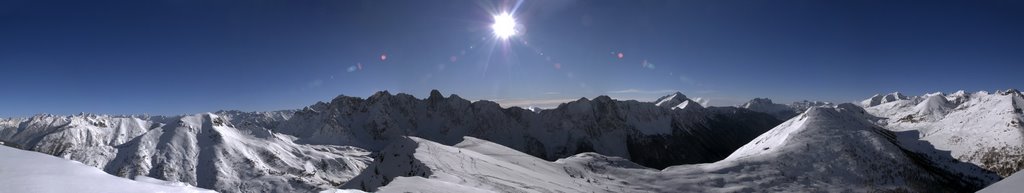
x: 726, y: 129
x: 643, y: 132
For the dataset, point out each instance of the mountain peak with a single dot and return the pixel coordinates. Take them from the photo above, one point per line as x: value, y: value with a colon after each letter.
x: 671, y: 100
x: 378, y: 94
x: 765, y: 105
x: 878, y: 99
x: 435, y: 94
x: 582, y: 99
x: 676, y: 94
x: 843, y: 118
x: 760, y: 101
x: 1009, y: 92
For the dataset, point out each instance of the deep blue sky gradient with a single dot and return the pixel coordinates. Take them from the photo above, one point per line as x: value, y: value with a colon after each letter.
x: 176, y: 57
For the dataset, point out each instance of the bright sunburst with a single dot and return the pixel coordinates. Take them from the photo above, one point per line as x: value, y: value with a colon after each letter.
x: 504, y: 26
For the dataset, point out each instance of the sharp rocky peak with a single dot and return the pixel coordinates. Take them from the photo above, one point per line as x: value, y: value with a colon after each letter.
x: 435, y: 95
x: 671, y: 100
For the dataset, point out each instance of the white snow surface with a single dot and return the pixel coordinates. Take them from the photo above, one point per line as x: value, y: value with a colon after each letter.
x: 26, y: 171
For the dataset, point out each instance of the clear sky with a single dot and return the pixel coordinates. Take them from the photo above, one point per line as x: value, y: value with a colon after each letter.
x: 184, y: 56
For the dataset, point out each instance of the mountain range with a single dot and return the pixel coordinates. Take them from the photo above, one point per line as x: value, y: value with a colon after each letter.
x: 397, y: 142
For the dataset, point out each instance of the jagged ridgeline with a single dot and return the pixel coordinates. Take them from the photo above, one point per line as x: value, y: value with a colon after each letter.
x: 326, y: 144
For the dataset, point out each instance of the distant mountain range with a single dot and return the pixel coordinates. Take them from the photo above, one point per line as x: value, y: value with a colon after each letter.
x: 397, y: 142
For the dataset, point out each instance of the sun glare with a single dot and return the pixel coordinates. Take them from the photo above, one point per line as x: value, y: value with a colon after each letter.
x: 504, y: 26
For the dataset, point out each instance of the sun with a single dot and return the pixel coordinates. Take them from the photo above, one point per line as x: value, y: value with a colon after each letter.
x: 504, y: 26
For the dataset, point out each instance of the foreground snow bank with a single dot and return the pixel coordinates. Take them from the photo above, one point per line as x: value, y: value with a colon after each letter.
x: 26, y: 171
x: 1014, y: 183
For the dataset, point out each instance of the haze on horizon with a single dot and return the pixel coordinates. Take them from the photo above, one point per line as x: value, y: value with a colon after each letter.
x: 180, y: 57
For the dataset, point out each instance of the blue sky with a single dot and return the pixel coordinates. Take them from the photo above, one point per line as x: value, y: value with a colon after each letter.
x: 178, y: 57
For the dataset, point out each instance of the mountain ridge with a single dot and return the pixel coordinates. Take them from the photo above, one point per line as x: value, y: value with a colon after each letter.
x: 258, y: 149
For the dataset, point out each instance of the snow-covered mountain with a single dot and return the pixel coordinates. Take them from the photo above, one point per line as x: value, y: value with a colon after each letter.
x: 26, y: 171
x: 879, y: 99
x: 981, y: 128
x: 824, y: 149
x: 677, y: 132
x: 474, y: 165
x: 206, y: 150
x: 801, y: 106
x: 322, y: 146
x: 676, y: 100
x: 397, y: 143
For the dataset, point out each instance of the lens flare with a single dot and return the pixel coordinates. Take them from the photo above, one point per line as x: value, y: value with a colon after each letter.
x: 504, y: 26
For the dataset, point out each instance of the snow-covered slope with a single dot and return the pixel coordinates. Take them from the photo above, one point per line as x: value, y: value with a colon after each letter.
x: 825, y: 149
x: 671, y: 100
x: 26, y: 171
x: 475, y: 165
x: 689, y: 106
x: 980, y: 128
x: 206, y: 150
